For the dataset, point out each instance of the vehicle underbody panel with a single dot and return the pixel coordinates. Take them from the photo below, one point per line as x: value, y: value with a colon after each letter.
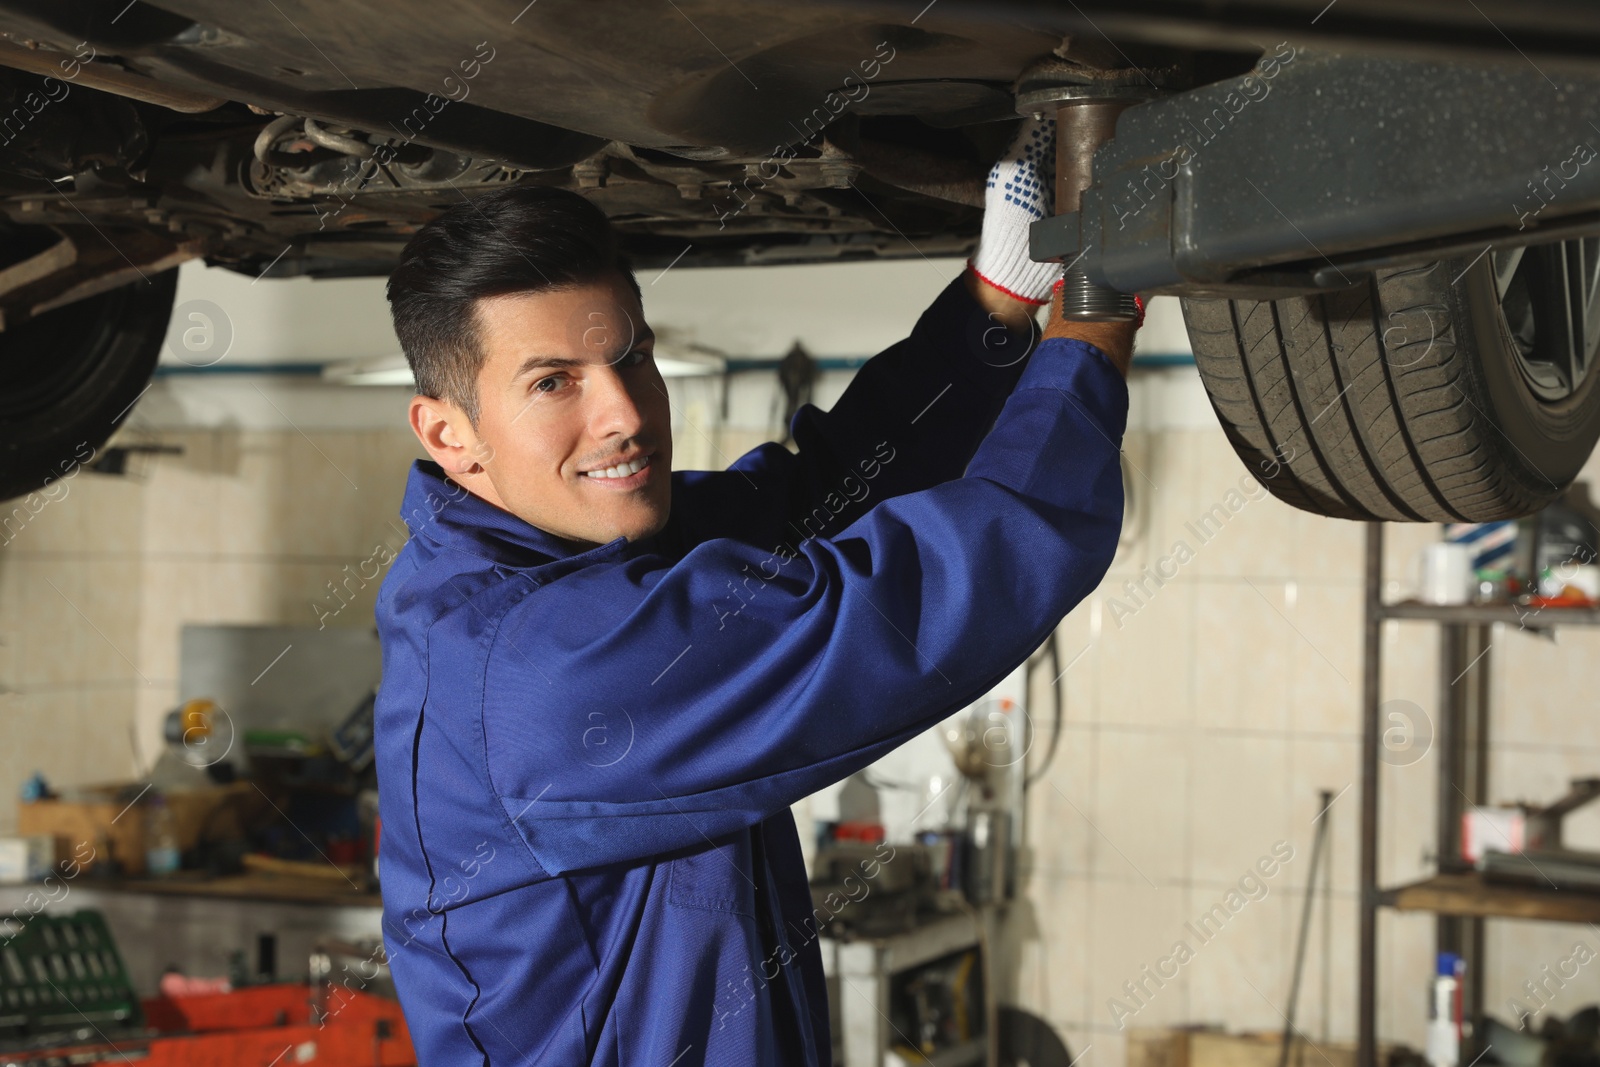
x: 721, y: 133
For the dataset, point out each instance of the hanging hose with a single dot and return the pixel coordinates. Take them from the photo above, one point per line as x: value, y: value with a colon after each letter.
x: 1058, y: 701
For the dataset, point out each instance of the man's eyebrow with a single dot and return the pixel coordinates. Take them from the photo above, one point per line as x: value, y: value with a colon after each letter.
x: 533, y: 363
x: 537, y: 362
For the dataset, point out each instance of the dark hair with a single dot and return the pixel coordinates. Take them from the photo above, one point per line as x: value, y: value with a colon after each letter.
x: 522, y: 238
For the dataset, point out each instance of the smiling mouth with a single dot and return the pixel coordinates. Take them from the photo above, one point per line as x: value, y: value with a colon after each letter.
x: 621, y: 471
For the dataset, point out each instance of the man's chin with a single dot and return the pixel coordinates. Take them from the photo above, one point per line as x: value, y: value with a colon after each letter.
x: 635, y: 525
x: 638, y: 531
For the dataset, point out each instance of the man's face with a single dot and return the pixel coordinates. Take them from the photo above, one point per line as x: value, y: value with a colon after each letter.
x: 569, y: 393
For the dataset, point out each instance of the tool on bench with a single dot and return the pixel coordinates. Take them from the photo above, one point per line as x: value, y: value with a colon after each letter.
x: 65, y: 997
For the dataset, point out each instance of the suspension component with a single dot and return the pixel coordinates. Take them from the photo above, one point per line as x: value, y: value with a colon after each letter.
x: 1086, y: 118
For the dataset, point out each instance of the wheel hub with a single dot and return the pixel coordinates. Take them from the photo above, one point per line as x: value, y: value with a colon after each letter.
x: 1550, y: 297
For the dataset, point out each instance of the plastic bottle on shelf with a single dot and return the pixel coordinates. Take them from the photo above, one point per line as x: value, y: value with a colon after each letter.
x: 161, y: 854
x: 1444, y: 1016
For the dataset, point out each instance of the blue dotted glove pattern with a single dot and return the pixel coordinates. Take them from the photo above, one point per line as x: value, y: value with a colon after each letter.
x: 1021, y: 188
x: 1026, y: 175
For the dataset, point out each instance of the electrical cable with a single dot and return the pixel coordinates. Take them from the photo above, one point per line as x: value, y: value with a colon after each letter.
x: 1132, y: 517
x: 1057, y: 699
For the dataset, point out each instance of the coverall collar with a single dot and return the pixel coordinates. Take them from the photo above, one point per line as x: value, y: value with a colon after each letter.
x: 448, y: 514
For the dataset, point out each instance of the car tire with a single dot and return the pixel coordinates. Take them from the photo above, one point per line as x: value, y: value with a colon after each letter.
x: 72, y: 375
x: 1457, y: 391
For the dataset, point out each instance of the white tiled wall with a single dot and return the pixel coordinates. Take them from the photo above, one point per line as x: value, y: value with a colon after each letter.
x: 243, y: 526
x: 1199, y: 732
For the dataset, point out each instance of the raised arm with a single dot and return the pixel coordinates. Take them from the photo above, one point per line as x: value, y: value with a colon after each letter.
x: 927, y: 400
x: 911, y: 418
x: 737, y: 680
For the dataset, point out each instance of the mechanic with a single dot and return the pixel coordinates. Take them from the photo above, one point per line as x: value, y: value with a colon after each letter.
x: 605, y: 682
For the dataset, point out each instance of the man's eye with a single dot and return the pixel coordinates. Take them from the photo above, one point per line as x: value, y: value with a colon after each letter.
x: 547, y: 385
x: 633, y: 359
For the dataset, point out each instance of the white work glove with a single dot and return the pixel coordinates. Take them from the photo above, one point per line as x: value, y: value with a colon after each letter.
x: 1021, y: 190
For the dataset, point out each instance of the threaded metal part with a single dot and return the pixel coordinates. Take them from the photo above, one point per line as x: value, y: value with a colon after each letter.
x: 1084, y: 301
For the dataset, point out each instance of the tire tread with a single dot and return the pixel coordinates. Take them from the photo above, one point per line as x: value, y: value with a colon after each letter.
x: 1369, y: 431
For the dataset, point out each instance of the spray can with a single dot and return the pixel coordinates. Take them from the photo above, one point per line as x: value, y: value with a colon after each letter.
x: 162, y: 855
x: 1444, y: 1015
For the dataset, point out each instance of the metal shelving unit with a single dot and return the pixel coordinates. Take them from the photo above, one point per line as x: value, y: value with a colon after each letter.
x: 1460, y: 897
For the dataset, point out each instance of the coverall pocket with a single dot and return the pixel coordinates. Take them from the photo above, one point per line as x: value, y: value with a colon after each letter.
x: 717, y: 878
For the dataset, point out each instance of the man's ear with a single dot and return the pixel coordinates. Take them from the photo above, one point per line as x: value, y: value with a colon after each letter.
x: 447, y: 434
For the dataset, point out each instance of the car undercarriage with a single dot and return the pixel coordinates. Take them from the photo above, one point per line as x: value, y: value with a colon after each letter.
x: 1382, y: 211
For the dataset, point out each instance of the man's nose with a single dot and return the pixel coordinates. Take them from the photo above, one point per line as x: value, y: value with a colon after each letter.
x: 615, y: 410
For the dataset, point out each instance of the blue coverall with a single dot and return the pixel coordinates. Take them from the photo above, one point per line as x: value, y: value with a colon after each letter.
x: 586, y: 758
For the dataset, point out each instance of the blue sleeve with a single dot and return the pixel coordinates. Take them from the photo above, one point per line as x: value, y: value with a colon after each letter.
x: 927, y: 401
x: 637, y: 706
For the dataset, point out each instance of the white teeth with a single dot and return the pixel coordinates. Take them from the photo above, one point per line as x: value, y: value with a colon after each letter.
x: 622, y: 470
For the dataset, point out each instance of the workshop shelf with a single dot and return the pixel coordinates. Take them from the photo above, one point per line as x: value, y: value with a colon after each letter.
x: 267, y: 888
x: 1470, y: 895
x: 1459, y: 899
x: 1486, y: 614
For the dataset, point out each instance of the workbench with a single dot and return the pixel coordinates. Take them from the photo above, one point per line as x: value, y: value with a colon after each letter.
x: 859, y: 972
x: 198, y: 925
x: 252, y: 885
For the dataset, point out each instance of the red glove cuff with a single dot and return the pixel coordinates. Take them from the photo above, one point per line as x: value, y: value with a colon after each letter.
x: 991, y: 283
